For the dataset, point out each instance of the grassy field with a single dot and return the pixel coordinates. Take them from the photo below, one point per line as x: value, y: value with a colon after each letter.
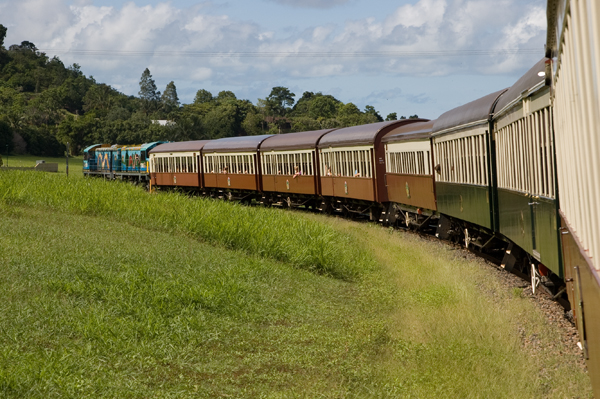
x: 75, y: 163
x: 112, y: 292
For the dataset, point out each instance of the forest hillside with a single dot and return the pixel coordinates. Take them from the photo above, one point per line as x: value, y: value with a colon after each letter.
x: 44, y: 105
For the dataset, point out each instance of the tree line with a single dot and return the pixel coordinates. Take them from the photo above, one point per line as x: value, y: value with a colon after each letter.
x: 45, y: 104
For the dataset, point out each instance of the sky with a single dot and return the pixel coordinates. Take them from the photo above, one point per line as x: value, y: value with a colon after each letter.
x: 420, y: 57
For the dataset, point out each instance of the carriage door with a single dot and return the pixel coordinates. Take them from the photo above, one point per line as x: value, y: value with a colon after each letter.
x: 543, y: 204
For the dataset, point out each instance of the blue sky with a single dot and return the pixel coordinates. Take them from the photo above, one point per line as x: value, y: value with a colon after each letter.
x: 406, y: 56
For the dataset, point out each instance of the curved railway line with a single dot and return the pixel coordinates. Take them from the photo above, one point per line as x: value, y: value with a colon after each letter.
x: 514, y: 176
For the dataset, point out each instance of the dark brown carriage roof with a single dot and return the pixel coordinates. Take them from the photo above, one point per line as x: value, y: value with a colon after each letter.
x: 360, y: 135
x: 182, y: 146
x: 235, y: 144
x: 526, y: 82
x: 293, y: 141
x: 474, y: 111
x: 414, y: 131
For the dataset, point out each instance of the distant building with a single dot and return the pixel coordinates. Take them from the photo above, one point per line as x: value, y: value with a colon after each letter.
x: 163, y: 122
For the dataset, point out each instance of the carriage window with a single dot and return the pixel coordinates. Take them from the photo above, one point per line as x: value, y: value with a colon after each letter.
x: 462, y: 160
x: 525, y: 157
x: 267, y: 164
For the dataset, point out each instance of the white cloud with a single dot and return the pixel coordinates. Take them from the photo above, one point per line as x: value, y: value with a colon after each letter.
x: 431, y: 37
x: 311, y: 3
x: 525, y: 32
x: 389, y: 94
x: 201, y: 74
x: 424, y: 13
x: 322, y: 33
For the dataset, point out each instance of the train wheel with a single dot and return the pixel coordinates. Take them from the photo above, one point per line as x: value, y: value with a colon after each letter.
x: 467, y: 238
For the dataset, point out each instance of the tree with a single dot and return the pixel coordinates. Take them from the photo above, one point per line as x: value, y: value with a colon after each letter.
x: 253, y: 123
x: 348, y: 110
x: 302, y: 105
x: 392, y: 117
x: 280, y: 99
x: 2, y: 34
x: 226, y: 95
x: 415, y: 116
x: 188, y: 126
x: 322, y: 107
x: 222, y: 121
x: 77, y: 131
x: 98, y: 97
x: 6, y: 135
x: 25, y: 45
x: 370, y: 110
x: 349, y: 115
x: 203, y: 97
x: 169, y: 99
x: 76, y: 69
x: 148, y: 93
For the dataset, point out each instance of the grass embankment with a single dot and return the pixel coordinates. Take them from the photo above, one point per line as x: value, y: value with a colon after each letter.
x: 276, y: 235
x: 111, y: 292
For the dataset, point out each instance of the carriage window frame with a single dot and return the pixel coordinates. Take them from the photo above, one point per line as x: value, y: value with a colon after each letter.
x: 409, y: 157
x: 283, y: 162
x: 236, y: 163
x: 345, y: 161
x: 526, y: 153
x: 462, y: 157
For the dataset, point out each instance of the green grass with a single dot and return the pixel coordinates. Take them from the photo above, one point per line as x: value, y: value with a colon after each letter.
x: 112, y: 292
x: 75, y: 163
x: 164, y: 317
x: 273, y: 234
x: 455, y: 331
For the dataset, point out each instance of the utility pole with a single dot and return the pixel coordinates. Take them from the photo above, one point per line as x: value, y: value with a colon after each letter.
x: 67, y: 159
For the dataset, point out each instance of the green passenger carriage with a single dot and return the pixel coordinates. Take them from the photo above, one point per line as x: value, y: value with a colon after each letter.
x: 462, y: 153
x: 525, y: 169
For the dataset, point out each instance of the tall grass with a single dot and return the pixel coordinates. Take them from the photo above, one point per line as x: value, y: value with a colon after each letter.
x: 83, y: 315
x: 284, y: 236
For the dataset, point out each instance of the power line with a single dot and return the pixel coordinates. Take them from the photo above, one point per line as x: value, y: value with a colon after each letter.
x: 299, y: 54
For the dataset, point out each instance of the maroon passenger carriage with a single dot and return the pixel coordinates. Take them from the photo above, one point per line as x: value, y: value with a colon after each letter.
x: 289, y: 166
x: 409, y: 175
x: 232, y: 168
x: 177, y: 165
x: 352, y: 166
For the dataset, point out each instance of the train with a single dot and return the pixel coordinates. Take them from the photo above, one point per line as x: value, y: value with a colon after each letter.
x: 514, y: 175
